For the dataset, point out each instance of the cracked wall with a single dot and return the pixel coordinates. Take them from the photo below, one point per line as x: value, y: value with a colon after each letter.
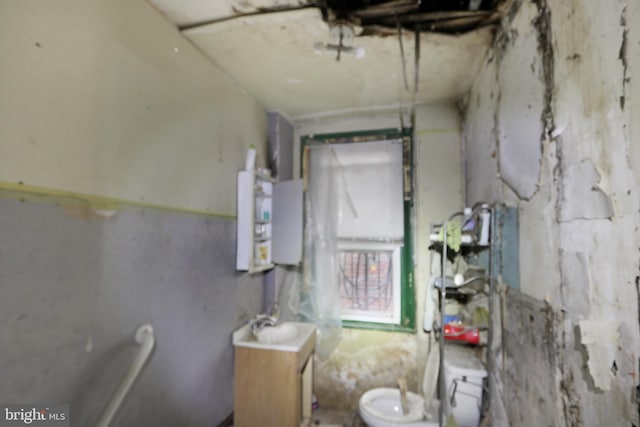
x: 560, y: 141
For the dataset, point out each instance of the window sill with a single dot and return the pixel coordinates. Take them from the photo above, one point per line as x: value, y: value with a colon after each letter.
x: 351, y: 324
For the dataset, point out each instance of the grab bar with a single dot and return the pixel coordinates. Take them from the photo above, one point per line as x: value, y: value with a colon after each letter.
x: 144, y: 337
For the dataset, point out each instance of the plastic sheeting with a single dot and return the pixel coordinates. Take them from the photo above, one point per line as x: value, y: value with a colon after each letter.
x: 319, y: 294
x: 354, y: 193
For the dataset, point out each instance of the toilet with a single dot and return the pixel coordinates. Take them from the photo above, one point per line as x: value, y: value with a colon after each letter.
x: 381, y: 407
x: 463, y: 374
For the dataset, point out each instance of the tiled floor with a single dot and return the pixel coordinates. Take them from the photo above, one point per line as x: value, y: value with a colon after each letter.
x: 334, y: 418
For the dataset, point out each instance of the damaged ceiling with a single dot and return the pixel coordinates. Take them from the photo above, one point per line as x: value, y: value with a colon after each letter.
x: 305, y: 57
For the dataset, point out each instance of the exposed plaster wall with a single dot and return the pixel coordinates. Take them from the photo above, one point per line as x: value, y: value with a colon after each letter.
x: 367, y: 359
x: 564, y: 130
x: 107, y: 98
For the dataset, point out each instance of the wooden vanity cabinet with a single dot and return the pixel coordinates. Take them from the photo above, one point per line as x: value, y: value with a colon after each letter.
x: 273, y: 387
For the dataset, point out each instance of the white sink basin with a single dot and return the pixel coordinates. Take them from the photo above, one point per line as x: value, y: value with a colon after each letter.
x: 286, y: 336
x: 277, y: 334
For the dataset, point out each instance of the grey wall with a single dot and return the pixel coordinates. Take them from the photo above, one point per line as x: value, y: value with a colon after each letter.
x: 74, y: 287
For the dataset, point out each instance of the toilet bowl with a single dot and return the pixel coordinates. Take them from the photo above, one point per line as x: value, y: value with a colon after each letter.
x: 382, y: 407
x: 464, y: 374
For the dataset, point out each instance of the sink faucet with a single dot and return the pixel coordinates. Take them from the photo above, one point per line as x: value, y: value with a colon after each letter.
x: 261, y: 322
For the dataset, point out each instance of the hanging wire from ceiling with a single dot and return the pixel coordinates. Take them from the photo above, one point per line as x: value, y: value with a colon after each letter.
x: 417, y: 60
x: 416, y: 75
x: 404, y: 65
x: 340, y: 45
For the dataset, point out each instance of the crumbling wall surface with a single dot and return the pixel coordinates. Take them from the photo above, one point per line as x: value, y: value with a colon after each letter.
x: 362, y: 363
x: 534, y: 350
x: 565, y: 133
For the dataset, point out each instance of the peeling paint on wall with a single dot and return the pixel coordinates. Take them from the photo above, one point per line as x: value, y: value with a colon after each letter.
x: 575, y: 286
x: 579, y: 230
x: 88, y: 212
x: 582, y: 195
x: 518, y: 126
x: 600, y: 337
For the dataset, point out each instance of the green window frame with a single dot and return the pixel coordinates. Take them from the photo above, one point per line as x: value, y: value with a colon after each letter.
x: 407, y: 284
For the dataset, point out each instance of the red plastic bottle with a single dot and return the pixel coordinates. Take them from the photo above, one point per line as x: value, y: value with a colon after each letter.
x: 454, y: 332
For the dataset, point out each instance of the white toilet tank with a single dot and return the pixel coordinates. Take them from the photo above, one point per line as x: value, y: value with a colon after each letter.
x: 463, y: 374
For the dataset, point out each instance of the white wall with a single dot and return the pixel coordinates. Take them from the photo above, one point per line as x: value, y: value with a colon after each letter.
x: 107, y: 98
x: 551, y: 127
x: 105, y: 101
x: 366, y: 359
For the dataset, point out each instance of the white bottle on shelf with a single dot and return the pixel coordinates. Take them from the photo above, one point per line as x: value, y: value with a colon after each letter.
x: 485, y: 219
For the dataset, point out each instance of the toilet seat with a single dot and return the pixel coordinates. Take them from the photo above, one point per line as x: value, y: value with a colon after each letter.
x: 377, y: 412
x: 464, y: 373
x: 384, y: 403
x: 381, y: 407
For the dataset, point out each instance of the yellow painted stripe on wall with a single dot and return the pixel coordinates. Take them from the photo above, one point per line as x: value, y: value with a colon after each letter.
x: 68, y: 198
x: 421, y: 132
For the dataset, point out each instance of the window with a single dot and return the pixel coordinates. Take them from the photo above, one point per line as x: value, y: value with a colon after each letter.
x: 369, y: 280
x: 373, y: 248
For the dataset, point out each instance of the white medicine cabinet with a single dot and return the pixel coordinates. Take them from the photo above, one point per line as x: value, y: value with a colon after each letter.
x: 269, y: 221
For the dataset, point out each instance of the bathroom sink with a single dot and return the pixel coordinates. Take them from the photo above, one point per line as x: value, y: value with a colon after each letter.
x: 286, y: 336
x: 277, y: 334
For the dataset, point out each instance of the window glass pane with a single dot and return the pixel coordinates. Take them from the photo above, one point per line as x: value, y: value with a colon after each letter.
x: 371, y: 203
x: 366, y: 281
x: 369, y: 284
x: 355, y: 223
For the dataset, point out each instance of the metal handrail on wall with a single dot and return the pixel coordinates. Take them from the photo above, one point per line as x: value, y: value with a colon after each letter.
x: 144, y: 337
